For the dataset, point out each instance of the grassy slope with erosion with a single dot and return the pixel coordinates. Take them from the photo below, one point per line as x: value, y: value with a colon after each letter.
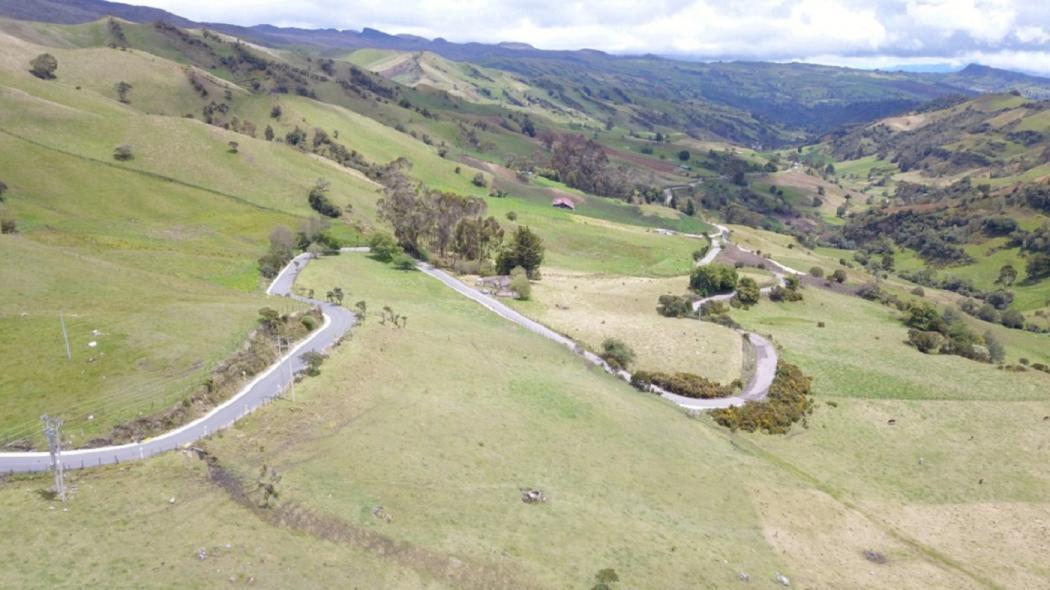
x: 963, y: 456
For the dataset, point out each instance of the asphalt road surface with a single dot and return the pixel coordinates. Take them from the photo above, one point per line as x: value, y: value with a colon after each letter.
x: 261, y: 390
x: 337, y: 322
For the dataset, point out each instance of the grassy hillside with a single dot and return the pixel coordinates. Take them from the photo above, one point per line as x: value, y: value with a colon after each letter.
x: 153, y: 259
x: 471, y: 83
x: 995, y: 139
x: 660, y: 498
x: 158, y: 252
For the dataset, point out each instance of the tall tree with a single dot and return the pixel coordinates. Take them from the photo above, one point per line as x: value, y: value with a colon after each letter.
x: 525, y: 250
x: 407, y: 211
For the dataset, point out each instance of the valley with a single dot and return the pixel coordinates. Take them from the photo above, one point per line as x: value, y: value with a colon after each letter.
x: 332, y: 308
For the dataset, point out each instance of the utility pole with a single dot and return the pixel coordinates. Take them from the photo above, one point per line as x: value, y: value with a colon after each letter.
x: 52, y: 430
x: 65, y: 335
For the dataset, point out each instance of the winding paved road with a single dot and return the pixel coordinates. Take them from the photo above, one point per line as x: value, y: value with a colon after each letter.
x: 263, y: 388
x: 337, y: 322
x: 757, y: 387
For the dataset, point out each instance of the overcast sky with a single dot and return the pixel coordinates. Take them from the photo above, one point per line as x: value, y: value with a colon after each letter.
x: 1012, y: 34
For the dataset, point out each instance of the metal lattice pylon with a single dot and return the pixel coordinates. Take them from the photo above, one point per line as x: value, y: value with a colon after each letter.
x: 53, y: 432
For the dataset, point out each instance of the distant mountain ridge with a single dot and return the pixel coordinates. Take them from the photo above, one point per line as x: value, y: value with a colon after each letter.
x: 759, y: 104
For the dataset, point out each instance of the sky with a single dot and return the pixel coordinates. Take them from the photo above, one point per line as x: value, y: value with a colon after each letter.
x: 1012, y: 34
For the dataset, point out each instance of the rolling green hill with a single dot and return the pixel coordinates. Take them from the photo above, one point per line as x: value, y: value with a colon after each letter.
x: 402, y: 463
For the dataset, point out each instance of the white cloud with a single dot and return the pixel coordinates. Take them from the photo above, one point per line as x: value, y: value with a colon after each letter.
x: 944, y: 30
x: 1032, y: 34
x: 984, y: 20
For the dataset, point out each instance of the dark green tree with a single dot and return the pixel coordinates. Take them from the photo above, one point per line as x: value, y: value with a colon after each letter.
x: 712, y: 279
x: 525, y: 250
x: 1038, y: 266
x: 319, y: 200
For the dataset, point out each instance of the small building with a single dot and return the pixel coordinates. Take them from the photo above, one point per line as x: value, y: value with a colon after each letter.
x: 564, y: 203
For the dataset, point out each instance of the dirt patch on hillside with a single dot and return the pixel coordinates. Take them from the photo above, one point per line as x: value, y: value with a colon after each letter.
x: 907, y: 122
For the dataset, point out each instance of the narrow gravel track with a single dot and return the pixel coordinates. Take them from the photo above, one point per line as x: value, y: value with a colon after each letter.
x: 261, y: 390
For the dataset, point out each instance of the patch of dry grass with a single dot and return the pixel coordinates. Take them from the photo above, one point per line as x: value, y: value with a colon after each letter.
x: 591, y: 308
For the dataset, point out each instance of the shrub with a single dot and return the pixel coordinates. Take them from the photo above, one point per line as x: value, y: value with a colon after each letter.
x: 788, y: 402
x: 747, y: 291
x: 479, y: 180
x: 926, y: 341
x: 996, y: 352
x: 918, y: 292
x: 988, y: 313
x: 122, y: 88
x: 403, y: 261
x: 308, y: 322
x: 617, y: 353
x: 313, y: 361
x: 3, y: 189
x: 1011, y: 318
x: 870, y: 291
x: 839, y: 275
x: 816, y: 271
x: 788, y: 292
x: 712, y: 279
x: 8, y: 226
x: 519, y: 283
x: 673, y: 306
x: 383, y: 247
x: 700, y: 253
x: 684, y: 384
x: 272, y: 262
x: 512, y: 216
x: 123, y: 152
x: 320, y: 202
x: 44, y: 66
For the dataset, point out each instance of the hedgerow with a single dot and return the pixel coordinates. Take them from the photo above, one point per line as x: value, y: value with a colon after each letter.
x: 685, y: 384
x: 788, y: 402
